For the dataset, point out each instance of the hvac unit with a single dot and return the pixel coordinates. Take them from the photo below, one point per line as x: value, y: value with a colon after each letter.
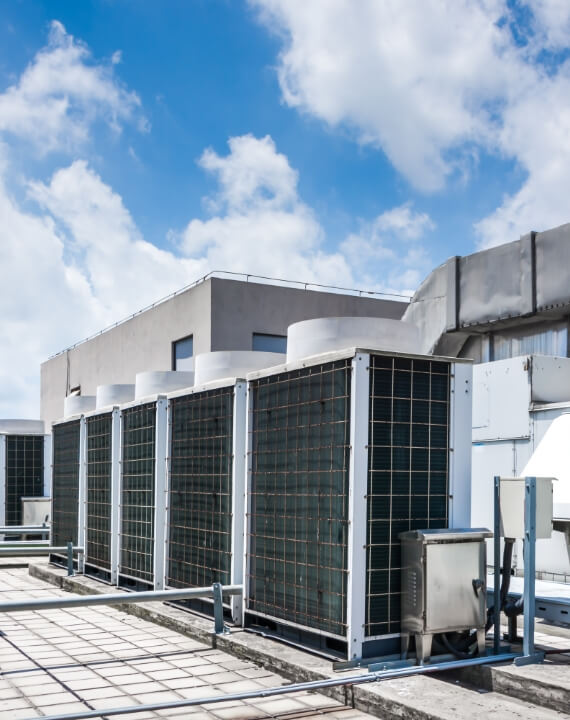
x: 24, y: 466
x: 102, y: 479
x: 68, y: 439
x: 345, y: 451
x: 207, y: 474
x: 206, y: 489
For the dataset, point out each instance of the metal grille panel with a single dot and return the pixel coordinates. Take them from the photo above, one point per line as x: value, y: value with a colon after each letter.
x: 299, y: 496
x: 200, y: 490
x: 408, y: 474
x: 99, y: 449
x: 24, y: 473
x: 65, y: 482
x: 138, y: 492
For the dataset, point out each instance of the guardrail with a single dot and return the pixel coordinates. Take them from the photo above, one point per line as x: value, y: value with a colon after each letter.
x: 35, y: 549
x: 24, y: 529
x: 216, y: 591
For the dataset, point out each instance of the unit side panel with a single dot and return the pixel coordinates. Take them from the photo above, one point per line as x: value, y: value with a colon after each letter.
x: 408, y: 477
x: 138, y: 492
x: 298, y: 524
x: 24, y: 473
x: 99, y: 501
x: 200, y: 489
x: 65, y: 482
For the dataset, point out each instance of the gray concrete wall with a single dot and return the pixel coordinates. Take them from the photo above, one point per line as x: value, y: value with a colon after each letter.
x: 142, y: 343
x: 240, y: 309
x: 221, y: 314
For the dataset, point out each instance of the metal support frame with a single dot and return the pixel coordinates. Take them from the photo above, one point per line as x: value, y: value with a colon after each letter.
x: 357, y: 497
x: 497, y: 566
x: 116, y: 442
x: 160, y: 499
x: 248, y: 447
x: 25, y: 529
x: 239, y: 451
x: 460, y: 398
x: 19, y: 549
x: 82, y: 490
x: 219, y: 626
x: 47, y: 465
x: 3, y: 478
x: 529, y: 554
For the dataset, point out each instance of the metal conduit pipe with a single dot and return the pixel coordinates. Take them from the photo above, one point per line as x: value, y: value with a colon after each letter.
x: 285, y: 689
x: 116, y: 599
x: 19, y: 529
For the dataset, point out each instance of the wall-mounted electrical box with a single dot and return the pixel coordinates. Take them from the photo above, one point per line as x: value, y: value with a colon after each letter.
x: 512, y: 507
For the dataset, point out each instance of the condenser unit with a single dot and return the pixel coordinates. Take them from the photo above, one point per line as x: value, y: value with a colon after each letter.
x: 345, y: 451
x: 25, y: 466
x: 205, y: 496
x: 67, y: 486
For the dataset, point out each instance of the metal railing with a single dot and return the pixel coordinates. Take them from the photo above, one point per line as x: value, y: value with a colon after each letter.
x: 24, y: 548
x: 247, y: 277
x: 216, y: 591
x: 24, y: 530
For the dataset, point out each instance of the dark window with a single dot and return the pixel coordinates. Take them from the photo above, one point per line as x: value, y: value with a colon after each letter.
x: 182, y: 353
x: 269, y: 343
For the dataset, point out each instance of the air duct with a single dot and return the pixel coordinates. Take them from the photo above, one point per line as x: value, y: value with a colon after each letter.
x: 155, y: 382
x: 78, y: 404
x: 233, y: 363
x: 108, y: 395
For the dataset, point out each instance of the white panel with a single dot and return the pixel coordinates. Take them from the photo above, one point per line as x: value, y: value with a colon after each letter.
x: 47, y: 465
x: 513, y: 504
x: 115, y: 493
x: 238, y: 495
x: 550, y: 379
x: 82, y: 491
x: 2, y: 481
x: 358, y: 487
x: 160, y: 498
x: 501, y: 403
x: 460, y: 445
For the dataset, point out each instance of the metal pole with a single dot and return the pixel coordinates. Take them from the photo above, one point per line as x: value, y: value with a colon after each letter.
x: 115, y: 599
x: 219, y: 627
x: 497, y: 568
x: 529, y: 595
x: 69, y: 559
x: 20, y: 529
x: 286, y: 689
x: 38, y: 550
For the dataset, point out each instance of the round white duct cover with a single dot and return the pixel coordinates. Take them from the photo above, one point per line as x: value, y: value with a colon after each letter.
x: 155, y: 382
x: 313, y: 337
x: 108, y: 395
x: 233, y: 363
x: 78, y: 404
x: 21, y: 427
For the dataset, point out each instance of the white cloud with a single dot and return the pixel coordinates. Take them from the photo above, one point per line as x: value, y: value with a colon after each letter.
x: 61, y: 93
x: 261, y: 226
x: 389, y: 254
x: 434, y: 82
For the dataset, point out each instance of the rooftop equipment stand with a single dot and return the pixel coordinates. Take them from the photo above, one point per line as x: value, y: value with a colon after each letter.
x: 529, y: 655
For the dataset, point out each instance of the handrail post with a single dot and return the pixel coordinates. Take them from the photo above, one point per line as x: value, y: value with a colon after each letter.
x: 69, y: 559
x: 497, y: 568
x: 219, y: 627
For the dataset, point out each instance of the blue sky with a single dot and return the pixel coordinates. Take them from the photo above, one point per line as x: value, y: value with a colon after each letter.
x: 144, y: 144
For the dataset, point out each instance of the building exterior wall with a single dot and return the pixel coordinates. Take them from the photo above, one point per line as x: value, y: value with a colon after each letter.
x: 143, y: 342
x: 240, y: 309
x: 221, y: 314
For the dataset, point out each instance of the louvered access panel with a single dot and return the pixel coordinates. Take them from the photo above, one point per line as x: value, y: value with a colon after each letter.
x: 98, y: 527
x: 65, y: 484
x: 138, y: 494
x: 24, y: 473
x: 298, y: 523
x: 408, y: 478
x: 200, y: 489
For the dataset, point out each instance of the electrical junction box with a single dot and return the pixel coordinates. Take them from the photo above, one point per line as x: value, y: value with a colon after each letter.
x: 443, y: 585
x: 513, y: 507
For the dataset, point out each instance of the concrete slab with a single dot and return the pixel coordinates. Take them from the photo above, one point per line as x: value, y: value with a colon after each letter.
x: 412, y: 698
